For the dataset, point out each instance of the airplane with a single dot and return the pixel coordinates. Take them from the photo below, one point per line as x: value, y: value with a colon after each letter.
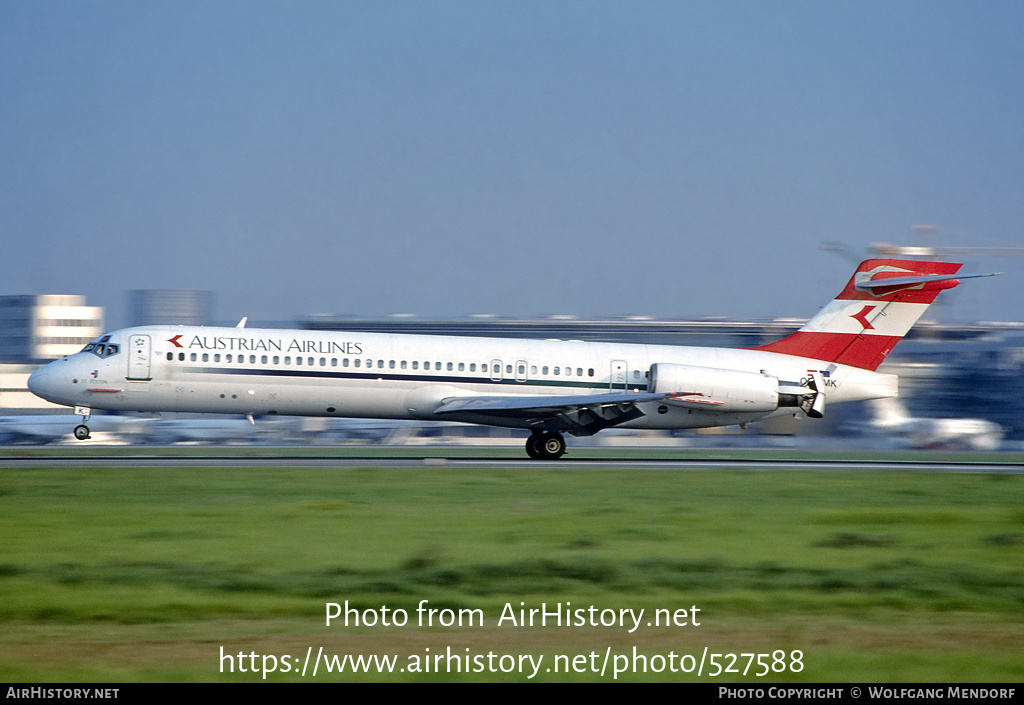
x: 891, y: 418
x: 550, y: 388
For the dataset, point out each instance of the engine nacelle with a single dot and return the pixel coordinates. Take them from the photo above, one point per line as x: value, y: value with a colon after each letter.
x: 720, y: 390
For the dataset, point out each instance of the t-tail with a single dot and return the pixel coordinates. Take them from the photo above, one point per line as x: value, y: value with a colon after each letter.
x: 880, y: 304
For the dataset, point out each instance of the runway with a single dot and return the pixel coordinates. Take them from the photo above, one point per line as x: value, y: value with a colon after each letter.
x: 462, y: 462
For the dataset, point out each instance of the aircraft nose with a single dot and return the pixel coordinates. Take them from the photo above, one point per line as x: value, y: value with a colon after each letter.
x: 45, y: 383
x: 40, y: 381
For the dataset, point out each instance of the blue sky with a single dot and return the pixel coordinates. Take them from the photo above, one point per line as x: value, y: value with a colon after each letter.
x: 445, y: 158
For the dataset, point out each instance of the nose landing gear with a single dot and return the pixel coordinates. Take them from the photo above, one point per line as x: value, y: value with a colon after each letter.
x: 545, y: 445
x: 82, y: 431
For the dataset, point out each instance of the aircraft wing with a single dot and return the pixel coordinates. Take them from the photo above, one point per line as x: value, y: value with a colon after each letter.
x: 581, y: 415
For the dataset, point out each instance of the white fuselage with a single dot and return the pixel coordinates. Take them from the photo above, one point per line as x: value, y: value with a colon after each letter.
x: 374, y: 375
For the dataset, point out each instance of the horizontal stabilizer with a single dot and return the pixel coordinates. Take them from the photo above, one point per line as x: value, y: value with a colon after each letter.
x: 886, y: 285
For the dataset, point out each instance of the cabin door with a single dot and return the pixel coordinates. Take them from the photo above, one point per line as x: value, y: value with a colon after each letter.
x: 138, y: 357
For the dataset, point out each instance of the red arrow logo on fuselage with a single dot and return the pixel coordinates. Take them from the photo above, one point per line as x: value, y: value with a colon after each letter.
x: 861, y: 317
x: 175, y: 343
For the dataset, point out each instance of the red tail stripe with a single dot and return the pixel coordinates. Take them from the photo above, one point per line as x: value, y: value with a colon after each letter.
x: 856, y: 350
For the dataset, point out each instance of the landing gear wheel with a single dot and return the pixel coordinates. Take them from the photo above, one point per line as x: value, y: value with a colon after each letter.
x: 552, y: 446
x: 81, y: 432
x: 533, y: 445
x: 545, y: 446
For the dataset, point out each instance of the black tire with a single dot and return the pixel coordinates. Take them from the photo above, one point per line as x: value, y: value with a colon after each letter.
x: 533, y: 445
x: 81, y: 432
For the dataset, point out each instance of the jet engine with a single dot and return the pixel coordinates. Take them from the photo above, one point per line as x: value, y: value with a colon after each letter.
x: 725, y: 390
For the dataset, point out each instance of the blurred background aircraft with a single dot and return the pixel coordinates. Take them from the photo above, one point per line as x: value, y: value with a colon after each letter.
x: 892, y: 421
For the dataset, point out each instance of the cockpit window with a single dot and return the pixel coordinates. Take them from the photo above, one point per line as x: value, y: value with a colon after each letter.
x: 101, y: 348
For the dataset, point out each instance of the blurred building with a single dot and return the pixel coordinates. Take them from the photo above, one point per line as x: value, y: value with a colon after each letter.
x: 186, y: 307
x: 628, y: 329
x: 39, y: 328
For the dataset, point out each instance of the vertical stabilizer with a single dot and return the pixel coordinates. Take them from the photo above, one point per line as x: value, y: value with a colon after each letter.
x: 881, y: 302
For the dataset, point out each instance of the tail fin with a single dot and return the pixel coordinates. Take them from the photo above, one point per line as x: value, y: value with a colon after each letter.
x: 881, y: 302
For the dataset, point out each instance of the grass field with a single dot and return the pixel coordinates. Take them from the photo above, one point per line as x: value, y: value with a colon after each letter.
x: 144, y: 574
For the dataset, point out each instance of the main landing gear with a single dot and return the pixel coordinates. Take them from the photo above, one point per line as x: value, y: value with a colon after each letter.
x: 545, y: 445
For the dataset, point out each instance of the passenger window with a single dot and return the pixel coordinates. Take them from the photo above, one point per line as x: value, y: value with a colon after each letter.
x: 323, y: 362
x: 228, y: 358
x: 170, y: 356
x: 216, y: 357
x: 206, y: 357
x: 298, y: 360
x: 508, y: 369
x: 472, y: 367
x: 590, y: 372
x: 391, y: 364
x: 334, y: 362
x: 579, y: 371
x: 415, y: 364
x: 450, y: 367
x: 462, y: 367
x: 404, y: 364
x: 309, y: 361
x: 277, y: 359
x: 358, y: 362
x: 344, y: 362
x: 181, y: 357
x: 252, y: 359
x: 263, y: 359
